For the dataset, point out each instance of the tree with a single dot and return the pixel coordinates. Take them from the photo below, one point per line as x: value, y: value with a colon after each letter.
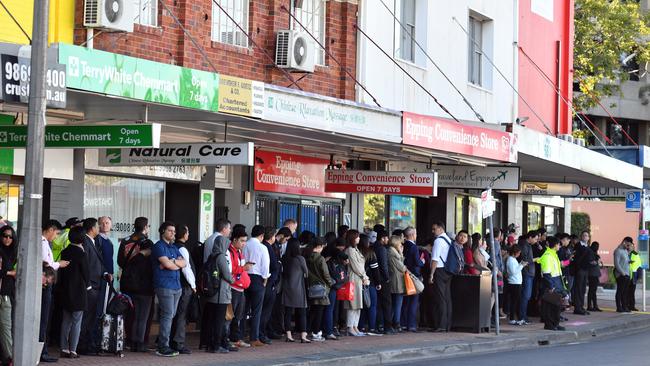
x: 374, y: 209
x: 606, y: 32
x: 580, y: 222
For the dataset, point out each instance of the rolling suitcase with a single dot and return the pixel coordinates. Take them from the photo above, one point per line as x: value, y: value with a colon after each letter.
x: 112, y: 326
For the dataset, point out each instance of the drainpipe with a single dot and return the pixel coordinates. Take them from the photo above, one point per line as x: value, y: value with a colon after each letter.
x: 361, y: 20
x: 515, y: 59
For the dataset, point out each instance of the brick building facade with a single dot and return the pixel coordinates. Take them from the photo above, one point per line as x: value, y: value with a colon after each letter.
x: 166, y: 42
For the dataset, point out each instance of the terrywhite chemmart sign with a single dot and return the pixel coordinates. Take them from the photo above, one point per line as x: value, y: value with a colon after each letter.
x: 180, y: 155
x: 298, y: 109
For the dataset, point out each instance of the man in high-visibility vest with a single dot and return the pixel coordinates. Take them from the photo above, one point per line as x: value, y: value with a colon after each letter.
x: 635, y: 276
x: 553, y: 285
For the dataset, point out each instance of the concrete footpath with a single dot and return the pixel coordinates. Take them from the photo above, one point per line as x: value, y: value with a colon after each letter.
x: 401, y: 348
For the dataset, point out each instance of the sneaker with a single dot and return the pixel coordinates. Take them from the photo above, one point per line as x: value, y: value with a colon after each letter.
x: 374, y: 334
x: 522, y: 322
x: 167, y: 352
x: 331, y: 337
x: 317, y: 338
x: 242, y: 344
x: 183, y: 351
x: 513, y: 322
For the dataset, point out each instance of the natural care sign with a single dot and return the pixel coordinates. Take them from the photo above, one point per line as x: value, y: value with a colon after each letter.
x: 293, y: 174
x: 373, y: 182
x: 181, y: 154
x: 130, y: 77
x: 440, y: 134
x: 473, y: 177
x: 85, y: 136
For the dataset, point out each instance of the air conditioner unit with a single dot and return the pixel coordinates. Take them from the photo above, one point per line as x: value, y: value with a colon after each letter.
x: 295, y: 51
x: 116, y: 15
x: 566, y: 137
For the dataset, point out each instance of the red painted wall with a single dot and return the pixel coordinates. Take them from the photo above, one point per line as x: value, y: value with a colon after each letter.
x: 167, y: 43
x: 538, y: 39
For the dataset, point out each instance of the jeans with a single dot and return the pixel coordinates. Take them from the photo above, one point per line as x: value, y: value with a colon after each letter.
x: 397, y: 300
x: 180, y: 319
x: 70, y: 330
x: 233, y: 327
x: 141, y: 309
x: 369, y: 315
x: 267, y: 311
x: 526, y: 293
x: 46, y: 302
x: 409, y: 311
x: 316, y: 318
x: 255, y: 301
x: 5, y: 328
x: 328, y: 316
x: 168, y: 302
x: 622, y: 284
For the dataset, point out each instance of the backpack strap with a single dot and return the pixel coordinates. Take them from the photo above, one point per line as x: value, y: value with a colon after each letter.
x: 444, y: 238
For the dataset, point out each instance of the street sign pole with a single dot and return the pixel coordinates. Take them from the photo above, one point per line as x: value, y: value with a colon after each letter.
x: 488, y: 207
x: 28, y: 279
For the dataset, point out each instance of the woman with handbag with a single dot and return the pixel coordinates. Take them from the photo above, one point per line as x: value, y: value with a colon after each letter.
x: 338, y: 270
x: 594, y: 278
x: 294, y: 298
x: 358, y: 279
x: 397, y: 269
x: 319, y: 282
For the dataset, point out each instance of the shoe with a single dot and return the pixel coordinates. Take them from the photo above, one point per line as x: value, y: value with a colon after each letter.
x: 336, y: 332
x: 65, y: 354
x: 513, y: 322
x: 242, y: 344
x: 559, y: 327
x: 374, y: 334
x: 634, y: 309
x: 142, y: 348
x: 218, y: 350
x: 317, y: 338
x: 266, y: 340
x: 48, y: 359
x: 620, y: 310
x: 331, y: 337
x: 257, y: 344
x: 580, y: 312
x: 522, y: 322
x: 304, y: 340
x: 166, y: 352
x: 74, y: 355
x: 413, y: 330
x: 289, y: 340
x: 89, y: 353
x: 598, y: 310
x: 441, y: 330
x: 389, y: 331
x: 184, y: 351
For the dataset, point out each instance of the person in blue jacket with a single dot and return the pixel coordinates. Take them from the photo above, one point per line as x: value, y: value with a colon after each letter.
x: 413, y: 264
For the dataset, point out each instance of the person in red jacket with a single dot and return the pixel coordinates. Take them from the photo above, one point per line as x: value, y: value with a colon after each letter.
x: 234, y: 327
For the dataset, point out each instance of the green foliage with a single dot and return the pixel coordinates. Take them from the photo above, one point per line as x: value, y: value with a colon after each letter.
x: 606, y: 30
x: 580, y: 222
x: 374, y: 210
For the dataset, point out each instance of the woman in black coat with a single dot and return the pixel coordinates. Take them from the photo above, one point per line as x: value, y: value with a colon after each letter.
x: 8, y: 250
x: 73, y: 284
x: 593, y: 278
x: 294, y: 297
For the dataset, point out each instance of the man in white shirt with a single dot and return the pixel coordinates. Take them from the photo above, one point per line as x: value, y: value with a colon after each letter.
x: 256, y: 254
x: 188, y: 287
x: 51, y: 230
x: 440, y: 278
x: 222, y: 229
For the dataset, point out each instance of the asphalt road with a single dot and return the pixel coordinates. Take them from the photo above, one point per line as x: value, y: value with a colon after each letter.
x: 625, y: 350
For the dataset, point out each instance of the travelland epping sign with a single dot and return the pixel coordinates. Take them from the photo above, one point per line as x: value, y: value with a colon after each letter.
x: 85, y: 136
x: 181, y: 154
x: 376, y: 182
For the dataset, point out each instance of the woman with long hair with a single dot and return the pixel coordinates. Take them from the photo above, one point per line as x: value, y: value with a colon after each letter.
x: 397, y: 269
x: 594, y: 279
x: 294, y: 298
x: 8, y: 253
x: 318, y: 274
x: 369, y: 315
x: 358, y: 278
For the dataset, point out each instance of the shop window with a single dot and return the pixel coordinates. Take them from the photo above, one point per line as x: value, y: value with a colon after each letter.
x: 402, y: 212
x: 146, y: 12
x: 479, y: 44
x: 533, y: 217
x: 10, y: 199
x: 618, y: 133
x: 374, y: 210
x: 311, y: 14
x: 475, y: 216
x: 405, y: 33
x: 124, y: 199
x: 223, y: 29
x: 461, y: 214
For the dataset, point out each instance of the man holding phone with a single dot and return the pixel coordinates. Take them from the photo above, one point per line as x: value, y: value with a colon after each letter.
x: 257, y: 256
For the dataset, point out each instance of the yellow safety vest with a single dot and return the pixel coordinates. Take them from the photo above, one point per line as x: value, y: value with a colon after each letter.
x: 550, y: 263
x: 635, y: 263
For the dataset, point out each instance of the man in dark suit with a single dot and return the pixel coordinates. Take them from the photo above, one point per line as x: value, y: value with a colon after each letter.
x: 89, y: 338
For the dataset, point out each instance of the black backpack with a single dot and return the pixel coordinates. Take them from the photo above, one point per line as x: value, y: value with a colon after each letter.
x: 455, y: 262
x: 209, y: 280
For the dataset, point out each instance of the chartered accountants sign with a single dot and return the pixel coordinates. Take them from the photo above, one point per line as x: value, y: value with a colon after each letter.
x: 80, y: 136
x: 181, y: 154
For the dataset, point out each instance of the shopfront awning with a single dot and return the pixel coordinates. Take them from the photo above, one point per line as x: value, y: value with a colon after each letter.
x: 545, y: 158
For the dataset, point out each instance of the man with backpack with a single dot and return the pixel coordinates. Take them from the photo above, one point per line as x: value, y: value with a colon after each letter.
x: 441, y: 278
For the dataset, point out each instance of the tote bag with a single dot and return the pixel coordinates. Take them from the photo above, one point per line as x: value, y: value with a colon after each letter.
x: 409, y: 286
x: 346, y: 292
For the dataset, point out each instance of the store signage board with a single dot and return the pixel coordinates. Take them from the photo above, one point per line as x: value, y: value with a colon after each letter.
x: 472, y: 177
x: 206, y: 214
x: 181, y: 154
x: 303, y: 110
x: 488, y: 205
x: 550, y: 189
x: 241, y: 96
x: 291, y: 174
x: 381, y: 182
x: 633, y: 201
x: 16, y: 71
x: 86, y: 136
x: 450, y: 136
x: 602, y: 192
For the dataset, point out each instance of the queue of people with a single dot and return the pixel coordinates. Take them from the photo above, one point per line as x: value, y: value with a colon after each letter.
x: 247, y: 288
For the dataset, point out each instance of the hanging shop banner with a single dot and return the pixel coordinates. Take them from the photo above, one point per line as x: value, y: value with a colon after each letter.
x: 292, y: 174
x: 440, y: 134
x: 472, y: 177
x: 303, y: 109
x: 241, y: 96
x: 180, y: 154
x: 206, y: 214
x: 375, y: 182
x: 488, y: 205
x: 550, y: 189
x: 129, y: 77
x: 85, y: 136
x: 16, y: 72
